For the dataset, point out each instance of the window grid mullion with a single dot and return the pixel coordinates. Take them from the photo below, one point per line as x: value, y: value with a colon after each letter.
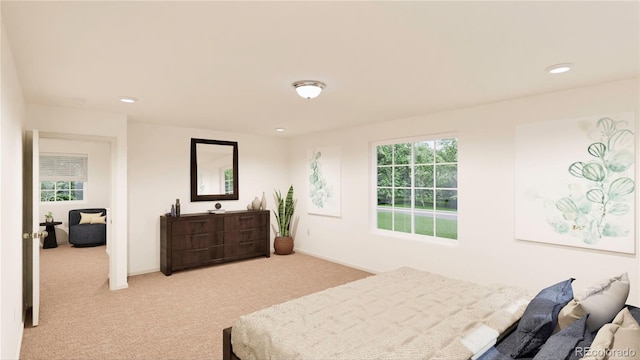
x: 435, y: 203
x: 393, y: 188
x: 413, y: 187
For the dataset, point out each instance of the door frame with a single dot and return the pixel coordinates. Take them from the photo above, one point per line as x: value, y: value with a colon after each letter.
x: 117, y: 241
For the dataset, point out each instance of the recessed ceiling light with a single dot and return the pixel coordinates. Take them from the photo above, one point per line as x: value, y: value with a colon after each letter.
x: 280, y: 129
x: 559, y: 68
x: 128, y: 99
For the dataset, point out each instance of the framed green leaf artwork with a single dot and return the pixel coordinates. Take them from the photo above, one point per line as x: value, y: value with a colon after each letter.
x: 323, y: 182
x: 575, y: 182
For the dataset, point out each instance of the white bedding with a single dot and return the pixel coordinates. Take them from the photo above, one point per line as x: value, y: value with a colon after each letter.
x: 401, y: 314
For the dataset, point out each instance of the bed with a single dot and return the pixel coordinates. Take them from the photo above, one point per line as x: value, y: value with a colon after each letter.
x: 400, y: 314
x: 412, y: 314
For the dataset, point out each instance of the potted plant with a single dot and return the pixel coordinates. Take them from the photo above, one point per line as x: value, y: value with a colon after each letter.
x: 283, y: 243
x: 48, y: 217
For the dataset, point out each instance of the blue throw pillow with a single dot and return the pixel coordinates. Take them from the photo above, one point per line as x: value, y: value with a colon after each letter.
x: 563, y: 344
x: 583, y: 345
x: 540, y: 317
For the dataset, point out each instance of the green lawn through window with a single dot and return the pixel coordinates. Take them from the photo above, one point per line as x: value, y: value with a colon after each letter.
x: 424, y: 224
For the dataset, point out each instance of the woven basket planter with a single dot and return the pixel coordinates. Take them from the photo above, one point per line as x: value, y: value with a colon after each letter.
x: 283, y: 245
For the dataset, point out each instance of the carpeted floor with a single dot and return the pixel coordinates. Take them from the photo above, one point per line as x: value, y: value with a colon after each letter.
x: 160, y: 317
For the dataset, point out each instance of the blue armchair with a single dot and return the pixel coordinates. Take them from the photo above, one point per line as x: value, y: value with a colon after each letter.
x: 89, y: 233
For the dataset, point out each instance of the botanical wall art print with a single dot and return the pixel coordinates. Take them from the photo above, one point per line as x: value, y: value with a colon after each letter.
x: 575, y: 182
x: 324, y: 191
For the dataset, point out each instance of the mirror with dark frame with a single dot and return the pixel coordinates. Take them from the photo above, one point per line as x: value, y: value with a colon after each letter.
x: 214, y: 170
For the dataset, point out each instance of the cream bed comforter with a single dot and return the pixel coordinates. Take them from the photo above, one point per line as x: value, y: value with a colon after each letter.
x: 401, y: 314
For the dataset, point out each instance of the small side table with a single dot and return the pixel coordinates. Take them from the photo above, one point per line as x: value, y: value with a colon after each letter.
x: 50, y: 241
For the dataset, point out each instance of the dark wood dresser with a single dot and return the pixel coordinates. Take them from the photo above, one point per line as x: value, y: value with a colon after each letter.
x: 192, y: 240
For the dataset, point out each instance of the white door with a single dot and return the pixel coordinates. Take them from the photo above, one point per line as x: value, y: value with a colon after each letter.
x: 32, y: 232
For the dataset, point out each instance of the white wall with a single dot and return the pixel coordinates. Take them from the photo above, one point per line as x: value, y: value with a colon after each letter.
x: 486, y: 250
x: 159, y: 173
x: 11, y: 126
x: 97, y: 192
x: 56, y: 122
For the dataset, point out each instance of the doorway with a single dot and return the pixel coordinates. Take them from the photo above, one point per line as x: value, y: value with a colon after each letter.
x: 60, y: 178
x: 113, y: 180
x: 75, y: 174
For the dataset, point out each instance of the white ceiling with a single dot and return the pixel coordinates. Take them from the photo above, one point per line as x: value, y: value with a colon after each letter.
x: 229, y: 65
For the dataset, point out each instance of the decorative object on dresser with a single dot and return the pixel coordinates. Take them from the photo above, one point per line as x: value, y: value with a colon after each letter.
x: 218, y: 209
x: 255, y: 204
x: 283, y: 242
x: 193, y: 240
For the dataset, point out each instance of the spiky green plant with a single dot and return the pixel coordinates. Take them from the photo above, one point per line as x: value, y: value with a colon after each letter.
x: 284, y: 212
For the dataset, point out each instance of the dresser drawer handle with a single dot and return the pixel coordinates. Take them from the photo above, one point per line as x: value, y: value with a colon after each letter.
x: 246, y: 217
x: 245, y: 230
x: 198, y: 221
x: 199, y: 235
x: 246, y: 244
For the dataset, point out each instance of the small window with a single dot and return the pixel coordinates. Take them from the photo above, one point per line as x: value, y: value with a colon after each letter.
x: 417, y: 187
x: 62, y: 177
x: 61, y: 191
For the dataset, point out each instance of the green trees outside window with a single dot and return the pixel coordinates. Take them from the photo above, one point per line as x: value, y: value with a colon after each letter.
x: 61, y: 191
x: 417, y: 187
x: 228, y: 181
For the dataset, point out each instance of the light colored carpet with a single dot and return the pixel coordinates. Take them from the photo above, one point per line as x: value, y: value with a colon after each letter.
x: 160, y: 317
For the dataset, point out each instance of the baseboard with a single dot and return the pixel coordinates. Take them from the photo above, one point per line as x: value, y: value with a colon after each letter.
x: 113, y: 287
x: 143, y: 272
x: 337, y: 261
x: 121, y: 287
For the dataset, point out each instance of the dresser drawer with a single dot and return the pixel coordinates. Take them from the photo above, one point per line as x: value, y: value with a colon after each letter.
x: 196, y: 241
x: 244, y: 235
x: 191, y: 258
x: 196, y: 225
x: 244, y: 248
x: 245, y: 221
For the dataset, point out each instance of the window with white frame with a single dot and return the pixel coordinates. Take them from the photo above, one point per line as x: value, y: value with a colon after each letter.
x: 417, y: 186
x: 63, y: 177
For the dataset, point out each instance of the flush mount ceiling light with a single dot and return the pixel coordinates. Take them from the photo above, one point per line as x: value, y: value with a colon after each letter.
x: 128, y: 99
x: 309, y: 89
x: 559, y: 68
x: 280, y: 129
